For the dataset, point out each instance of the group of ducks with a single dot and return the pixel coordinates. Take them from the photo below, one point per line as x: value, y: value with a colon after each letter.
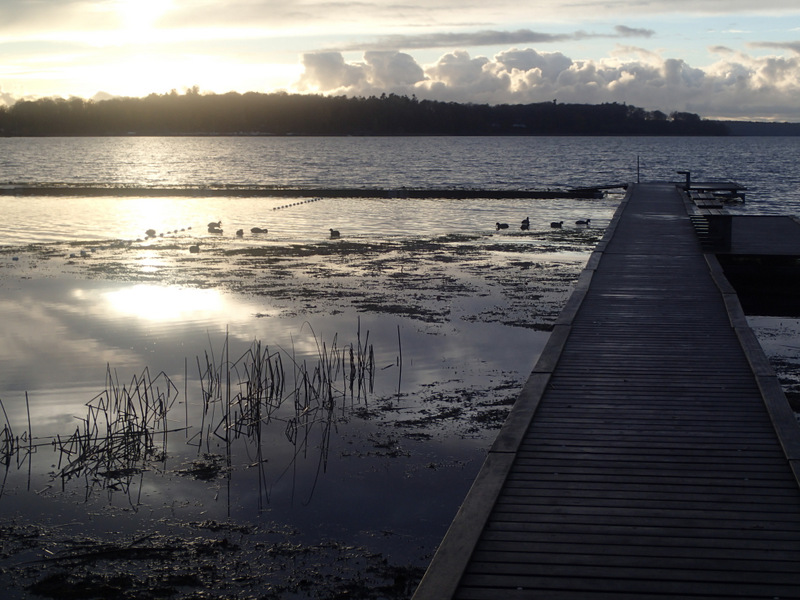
x: 579, y: 223
x: 526, y: 224
x: 216, y: 227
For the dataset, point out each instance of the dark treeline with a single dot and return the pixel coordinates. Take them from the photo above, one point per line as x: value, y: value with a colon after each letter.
x: 193, y: 113
x: 762, y: 128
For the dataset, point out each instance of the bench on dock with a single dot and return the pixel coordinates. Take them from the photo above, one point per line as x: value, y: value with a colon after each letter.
x: 706, y: 200
x: 723, y: 190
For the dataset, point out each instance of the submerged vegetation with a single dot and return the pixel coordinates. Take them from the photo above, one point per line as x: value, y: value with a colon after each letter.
x: 261, y: 427
x: 125, y: 435
x: 126, y: 427
x: 194, y: 113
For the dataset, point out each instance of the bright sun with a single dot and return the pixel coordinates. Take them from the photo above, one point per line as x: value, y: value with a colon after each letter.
x: 139, y: 16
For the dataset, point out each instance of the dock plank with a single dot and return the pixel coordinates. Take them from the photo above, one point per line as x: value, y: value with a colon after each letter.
x: 650, y: 455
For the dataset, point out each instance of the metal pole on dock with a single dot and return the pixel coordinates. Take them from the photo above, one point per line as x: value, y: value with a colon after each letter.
x: 688, y: 175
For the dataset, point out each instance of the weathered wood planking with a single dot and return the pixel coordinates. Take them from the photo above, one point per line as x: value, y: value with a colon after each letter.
x: 649, y: 455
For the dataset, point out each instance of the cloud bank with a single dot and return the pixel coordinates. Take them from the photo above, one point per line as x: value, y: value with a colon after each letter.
x: 736, y: 86
x: 489, y: 38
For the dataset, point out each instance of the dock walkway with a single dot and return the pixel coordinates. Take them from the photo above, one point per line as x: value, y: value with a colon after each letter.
x: 651, y: 453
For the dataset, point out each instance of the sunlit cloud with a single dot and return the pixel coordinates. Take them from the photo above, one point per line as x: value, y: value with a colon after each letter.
x: 730, y: 88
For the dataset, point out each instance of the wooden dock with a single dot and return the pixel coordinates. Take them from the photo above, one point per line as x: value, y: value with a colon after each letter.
x: 651, y: 453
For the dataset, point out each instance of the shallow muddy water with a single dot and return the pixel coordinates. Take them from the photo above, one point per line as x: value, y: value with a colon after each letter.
x: 352, y: 479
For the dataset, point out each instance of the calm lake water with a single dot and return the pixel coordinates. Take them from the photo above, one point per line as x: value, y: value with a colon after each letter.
x: 766, y: 166
x: 340, y: 470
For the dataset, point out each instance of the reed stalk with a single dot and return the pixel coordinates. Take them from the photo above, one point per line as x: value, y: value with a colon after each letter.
x: 126, y: 426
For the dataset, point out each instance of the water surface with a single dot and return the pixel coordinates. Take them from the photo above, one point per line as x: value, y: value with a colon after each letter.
x: 447, y: 304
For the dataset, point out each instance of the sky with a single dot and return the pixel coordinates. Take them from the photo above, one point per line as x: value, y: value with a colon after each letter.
x: 722, y: 59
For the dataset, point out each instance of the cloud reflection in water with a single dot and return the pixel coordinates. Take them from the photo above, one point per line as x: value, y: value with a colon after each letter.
x: 160, y: 303
x: 361, y: 456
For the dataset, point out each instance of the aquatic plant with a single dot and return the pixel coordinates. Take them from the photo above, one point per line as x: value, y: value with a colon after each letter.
x: 126, y: 426
x: 243, y: 396
x: 9, y: 443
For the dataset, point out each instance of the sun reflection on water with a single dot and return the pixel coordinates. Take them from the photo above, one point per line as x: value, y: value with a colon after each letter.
x: 160, y: 303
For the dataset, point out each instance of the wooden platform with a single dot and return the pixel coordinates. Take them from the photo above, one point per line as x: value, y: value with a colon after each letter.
x: 651, y: 454
x: 712, y: 192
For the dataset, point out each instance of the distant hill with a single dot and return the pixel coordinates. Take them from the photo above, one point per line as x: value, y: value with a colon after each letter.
x: 252, y: 113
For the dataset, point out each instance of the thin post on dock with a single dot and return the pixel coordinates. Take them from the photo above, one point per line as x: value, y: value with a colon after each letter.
x: 688, y: 175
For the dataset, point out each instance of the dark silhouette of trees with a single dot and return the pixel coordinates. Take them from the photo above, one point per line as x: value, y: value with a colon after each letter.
x: 193, y: 113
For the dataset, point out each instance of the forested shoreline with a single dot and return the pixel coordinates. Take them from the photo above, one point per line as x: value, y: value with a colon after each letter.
x: 283, y: 114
